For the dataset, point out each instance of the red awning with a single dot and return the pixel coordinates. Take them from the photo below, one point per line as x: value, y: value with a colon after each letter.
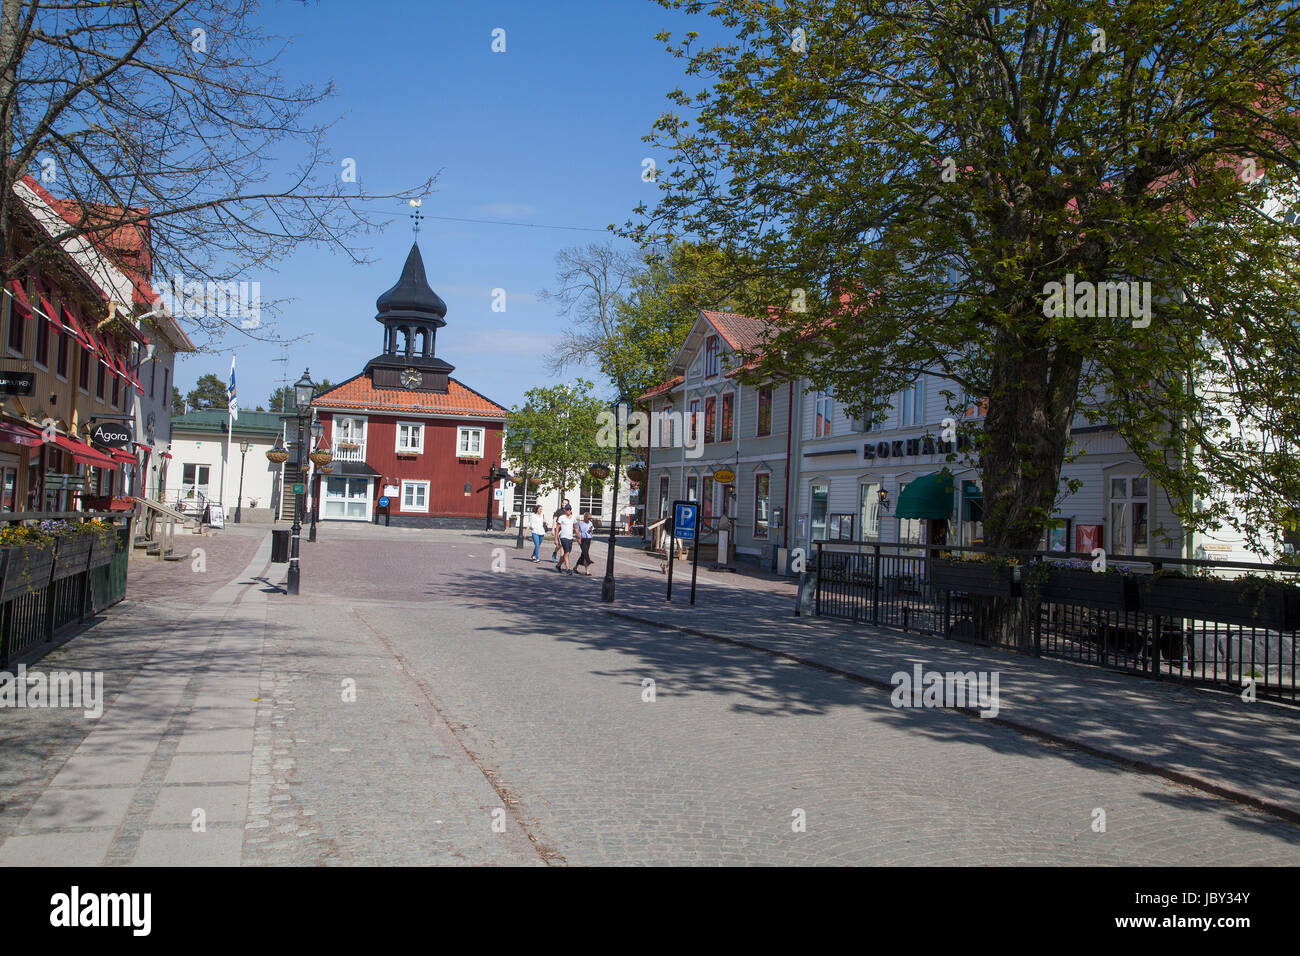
x: 125, y: 457
x: 20, y: 295
x: 73, y: 324
x: 48, y: 308
x: 20, y: 434
x: 83, y: 452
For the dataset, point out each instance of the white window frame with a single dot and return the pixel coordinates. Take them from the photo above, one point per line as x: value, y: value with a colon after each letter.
x: 337, y: 428
x: 911, y: 402
x: 412, y: 509
x: 461, y: 432
x: 418, y: 430
x: 823, y: 407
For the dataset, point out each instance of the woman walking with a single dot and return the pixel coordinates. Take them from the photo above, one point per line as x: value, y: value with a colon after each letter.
x: 564, y: 539
x: 537, y: 528
x: 585, y: 528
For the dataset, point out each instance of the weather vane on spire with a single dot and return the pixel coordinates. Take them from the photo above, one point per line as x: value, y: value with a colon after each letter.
x: 416, y: 216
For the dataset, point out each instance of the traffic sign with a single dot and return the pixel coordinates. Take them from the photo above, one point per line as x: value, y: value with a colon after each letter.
x: 383, y: 502
x: 684, y: 520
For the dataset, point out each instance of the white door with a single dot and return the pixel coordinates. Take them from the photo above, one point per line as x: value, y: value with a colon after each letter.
x: 347, y: 499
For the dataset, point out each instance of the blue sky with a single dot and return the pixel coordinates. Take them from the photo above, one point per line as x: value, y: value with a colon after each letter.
x: 547, y: 132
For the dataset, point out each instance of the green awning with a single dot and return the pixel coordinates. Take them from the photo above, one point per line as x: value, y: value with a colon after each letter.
x: 929, y: 496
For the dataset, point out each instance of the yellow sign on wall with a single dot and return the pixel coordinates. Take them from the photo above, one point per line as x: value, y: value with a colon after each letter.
x: 724, y: 476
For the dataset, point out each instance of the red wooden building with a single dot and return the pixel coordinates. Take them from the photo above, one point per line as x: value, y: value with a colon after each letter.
x: 406, y: 430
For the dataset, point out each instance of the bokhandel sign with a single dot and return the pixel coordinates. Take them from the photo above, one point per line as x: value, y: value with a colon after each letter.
x: 111, y: 435
x: 911, y: 448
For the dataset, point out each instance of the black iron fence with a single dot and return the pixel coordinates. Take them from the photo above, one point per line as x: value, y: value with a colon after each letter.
x: 44, y: 591
x: 1226, y: 624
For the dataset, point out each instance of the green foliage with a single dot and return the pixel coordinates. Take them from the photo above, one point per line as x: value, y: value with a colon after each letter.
x: 924, y: 171
x: 178, y: 403
x: 208, y: 392
x: 563, y: 422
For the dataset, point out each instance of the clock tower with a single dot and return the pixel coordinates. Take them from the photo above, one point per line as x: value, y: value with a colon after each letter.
x: 411, y: 314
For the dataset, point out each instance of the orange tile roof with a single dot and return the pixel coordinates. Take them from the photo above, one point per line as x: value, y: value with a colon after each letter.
x: 358, y: 392
x: 744, y: 333
x: 667, y: 386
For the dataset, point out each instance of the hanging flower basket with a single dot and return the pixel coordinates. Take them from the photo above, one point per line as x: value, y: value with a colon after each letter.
x: 320, y: 458
x: 278, y: 455
x: 636, y: 473
x: 975, y: 577
x: 27, y: 568
x: 1248, y: 602
x: 1097, y: 590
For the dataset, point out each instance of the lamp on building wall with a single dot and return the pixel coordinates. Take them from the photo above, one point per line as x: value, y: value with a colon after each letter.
x: 884, y: 499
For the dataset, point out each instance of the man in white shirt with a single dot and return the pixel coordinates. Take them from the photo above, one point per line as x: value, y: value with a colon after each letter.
x: 564, y: 535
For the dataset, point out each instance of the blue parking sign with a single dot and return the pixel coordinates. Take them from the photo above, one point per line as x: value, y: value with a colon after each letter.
x: 684, y: 515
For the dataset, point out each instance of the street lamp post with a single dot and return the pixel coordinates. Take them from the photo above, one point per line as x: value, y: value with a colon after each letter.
x: 317, y: 431
x: 243, y: 454
x: 523, y: 498
x: 303, y: 391
x: 607, y: 586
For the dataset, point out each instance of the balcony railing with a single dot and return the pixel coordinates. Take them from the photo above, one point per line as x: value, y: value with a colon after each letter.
x: 345, y: 451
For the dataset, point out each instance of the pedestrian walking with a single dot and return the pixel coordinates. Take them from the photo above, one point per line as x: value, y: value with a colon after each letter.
x: 585, y: 529
x: 555, y: 518
x: 537, y: 528
x: 564, y: 539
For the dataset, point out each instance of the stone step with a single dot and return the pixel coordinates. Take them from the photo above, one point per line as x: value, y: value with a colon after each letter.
x: 173, y: 556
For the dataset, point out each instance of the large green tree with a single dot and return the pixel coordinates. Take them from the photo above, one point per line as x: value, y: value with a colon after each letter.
x: 208, y: 392
x: 563, y: 422
x: 915, y: 176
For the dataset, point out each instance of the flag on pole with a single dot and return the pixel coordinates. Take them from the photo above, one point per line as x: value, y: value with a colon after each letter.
x: 232, y: 399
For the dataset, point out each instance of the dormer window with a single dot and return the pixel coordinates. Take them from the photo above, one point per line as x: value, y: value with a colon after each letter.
x: 711, y: 356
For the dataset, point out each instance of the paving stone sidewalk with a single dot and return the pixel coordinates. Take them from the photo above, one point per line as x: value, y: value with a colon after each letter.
x: 1248, y: 750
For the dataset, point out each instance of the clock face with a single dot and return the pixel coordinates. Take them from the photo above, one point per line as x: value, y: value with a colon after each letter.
x: 411, y: 378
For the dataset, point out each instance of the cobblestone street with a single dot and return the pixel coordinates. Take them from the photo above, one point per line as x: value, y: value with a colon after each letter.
x: 415, y: 706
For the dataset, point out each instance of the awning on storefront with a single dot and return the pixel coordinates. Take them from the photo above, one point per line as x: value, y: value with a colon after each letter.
x: 20, y: 434
x: 72, y: 323
x: 51, y: 313
x: 929, y: 496
x: 15, y: 287
x: 125, y: 457
x: 972, y: 502
x: 84, y: 453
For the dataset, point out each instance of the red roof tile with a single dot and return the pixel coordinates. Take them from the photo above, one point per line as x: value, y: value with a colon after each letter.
x: 358, y: 392
x: 666, y: 387
x: 744, y: 333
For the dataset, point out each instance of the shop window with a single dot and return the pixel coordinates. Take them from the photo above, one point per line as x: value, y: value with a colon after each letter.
x: 820, y: 500
x: 663, y: 496
x: 1129, y: 513
x: 692, y: 488
x: 762, y: 504
x: 869, y: 510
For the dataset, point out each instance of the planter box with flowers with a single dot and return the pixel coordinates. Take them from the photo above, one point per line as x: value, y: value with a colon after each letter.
x: 1074, y: 582
x: 27, y: 563
x: 1248, y: 602
x: 71, y: 555
x: 993, y: 578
